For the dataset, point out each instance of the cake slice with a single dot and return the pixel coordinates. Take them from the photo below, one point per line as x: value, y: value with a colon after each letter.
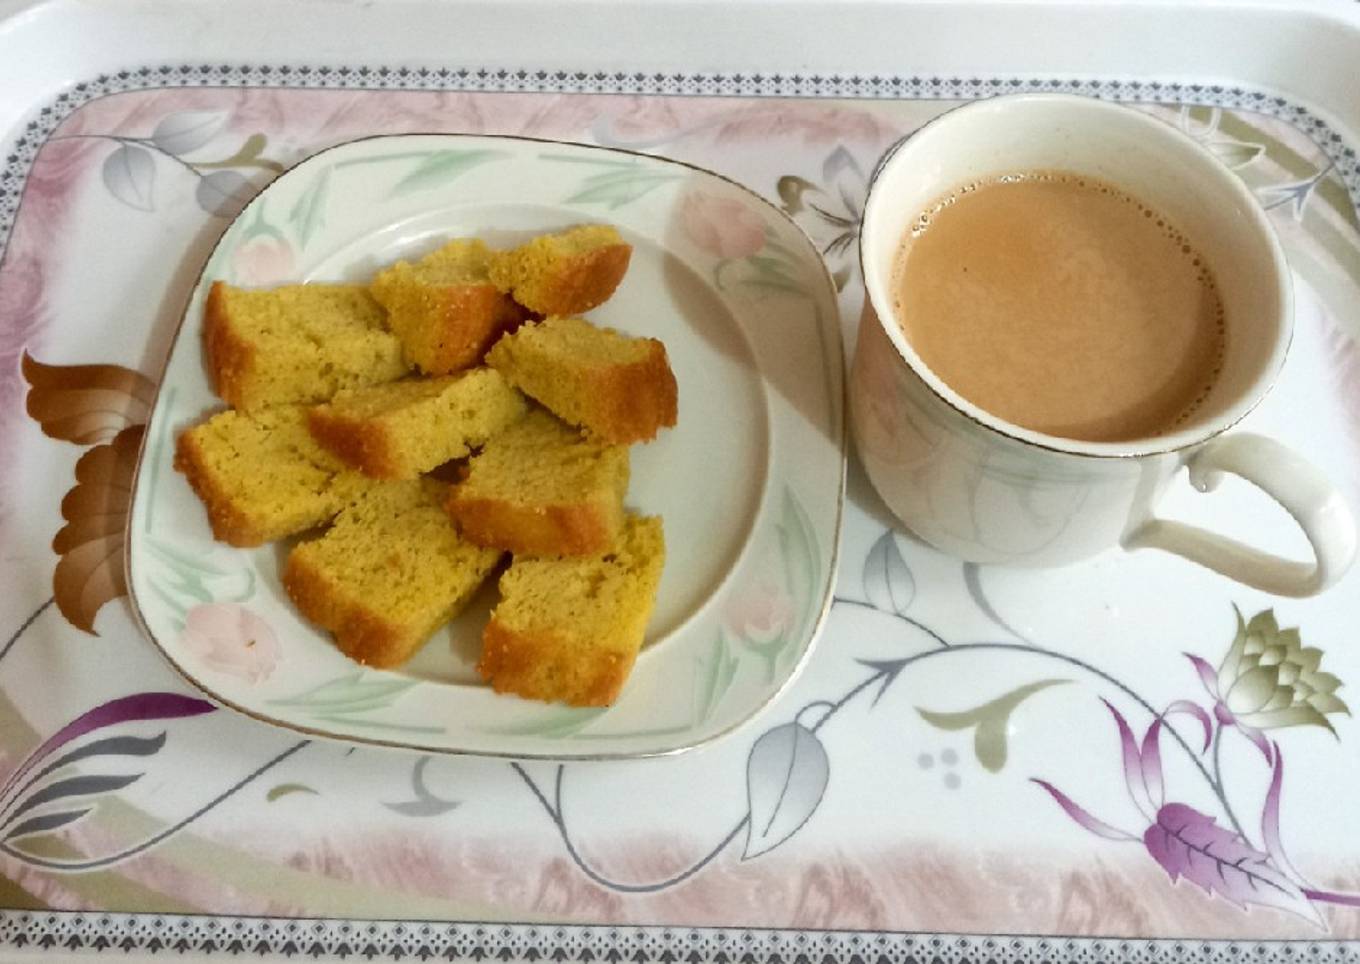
x: 262, y: 477
x: 444, y: 308
x: 297, y: 343
x: 404, y: 428
x: 539, y: 488
x: 389, y: 573
x: 619, y: 388
x: 565, y: 273
x: 569, y: 629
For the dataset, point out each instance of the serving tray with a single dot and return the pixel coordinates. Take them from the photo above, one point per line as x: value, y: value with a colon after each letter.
x: 1127, y: 759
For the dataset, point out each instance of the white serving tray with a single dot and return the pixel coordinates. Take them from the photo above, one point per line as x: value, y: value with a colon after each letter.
x: 898, y: 840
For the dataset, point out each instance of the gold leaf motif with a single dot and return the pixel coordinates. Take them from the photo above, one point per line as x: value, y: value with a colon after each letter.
x: 86, y: 404
x: 90, y: 570
x: 992, y: 721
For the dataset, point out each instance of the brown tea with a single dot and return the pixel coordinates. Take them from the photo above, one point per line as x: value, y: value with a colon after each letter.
x: 1062, y: 304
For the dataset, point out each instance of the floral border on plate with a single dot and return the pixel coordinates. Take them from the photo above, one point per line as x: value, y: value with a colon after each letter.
x: 229, y: 651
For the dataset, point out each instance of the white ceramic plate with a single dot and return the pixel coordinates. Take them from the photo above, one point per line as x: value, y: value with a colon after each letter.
x: 749, y: 484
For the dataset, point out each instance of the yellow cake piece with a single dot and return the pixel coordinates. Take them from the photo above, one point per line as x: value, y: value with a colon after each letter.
x: 262, y: 477
x: 444, y: 308
x: 565, y: 273
x: 404, y: 428
x: 389, y: 573
x: 619, y: 388
x: 296, y: 343
x: 541, y: 488
x: 569, y: 629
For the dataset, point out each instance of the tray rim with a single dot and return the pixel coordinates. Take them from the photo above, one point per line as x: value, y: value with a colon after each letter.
x: 1334, y: 143
x: 19, y: 926
x: 41, y: 61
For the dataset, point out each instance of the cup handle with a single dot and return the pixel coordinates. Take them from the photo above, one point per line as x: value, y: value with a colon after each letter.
x: 1295, y: 484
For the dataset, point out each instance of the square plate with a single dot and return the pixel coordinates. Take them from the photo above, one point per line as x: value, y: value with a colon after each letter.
x: 750, y: 484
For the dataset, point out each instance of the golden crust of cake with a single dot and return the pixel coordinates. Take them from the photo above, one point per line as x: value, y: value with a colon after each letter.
x: 619, y: 388
x: 229, y: 520
x: 571, y: 529
x: 541, y: 489
x: 402, y: 429
x: 295, y: 343
x: 565, y: 273
x: 569, y: 629
x: 260, y: 475
x: 517, y: 662
x: 444, y: 308
x: 389, y: 573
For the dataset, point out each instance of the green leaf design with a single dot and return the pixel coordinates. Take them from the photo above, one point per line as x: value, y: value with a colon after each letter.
x: 615, y: 183
x: 774, y: 272
x: 377, y: 724
x: 157, y: 458
x: 308, y: 213
x: 242, y: 231
x: 554, y: 723
x: 358, y: 692
x: 799, y: 542
x: 183, y: 581
x: 768, y: 284
x: 616, y: 189
x: 183, y: 560
x: 772, y: 243
x: 714, y: 679
x: 773, y: 267
x: 799, y: 557
x: 440, y: 167
x: 587, y: 161
x: 284, y: 789
x: 991, y: 719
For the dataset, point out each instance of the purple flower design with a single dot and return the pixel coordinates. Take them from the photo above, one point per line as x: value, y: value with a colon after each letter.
x: 1190, y: 844
x: 1267, y: 679
x: 27, y: 791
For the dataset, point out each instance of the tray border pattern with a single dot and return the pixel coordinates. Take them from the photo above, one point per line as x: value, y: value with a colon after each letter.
x: 503, y: 80
x: 404, y: 940
x: 314, y: 937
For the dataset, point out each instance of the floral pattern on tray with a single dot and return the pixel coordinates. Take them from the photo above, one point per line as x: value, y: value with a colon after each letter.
x: 958, y: 757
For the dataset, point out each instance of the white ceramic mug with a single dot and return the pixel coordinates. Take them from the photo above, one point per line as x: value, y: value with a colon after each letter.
x: 989, y: 491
